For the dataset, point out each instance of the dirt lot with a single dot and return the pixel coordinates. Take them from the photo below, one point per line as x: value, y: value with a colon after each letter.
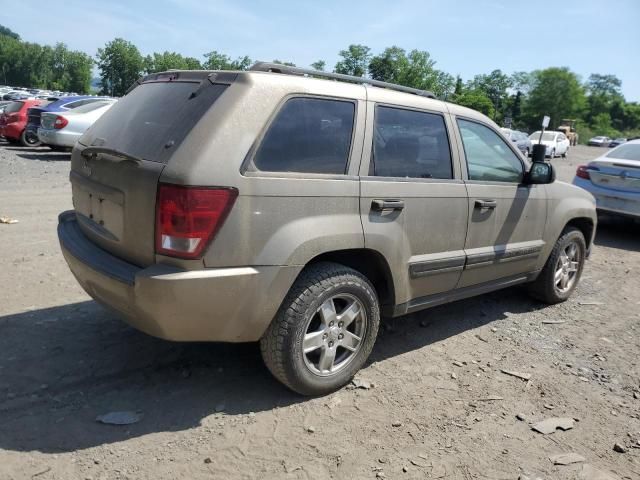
x: 439, y: 406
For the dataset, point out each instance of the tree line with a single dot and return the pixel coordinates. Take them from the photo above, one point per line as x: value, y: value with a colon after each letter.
x: 524, y: 97
x: 43, y: 66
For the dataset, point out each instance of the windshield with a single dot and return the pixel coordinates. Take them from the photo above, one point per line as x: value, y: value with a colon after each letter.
x: 13, y: 107
x: 546, y: 136
x: 628, y: 151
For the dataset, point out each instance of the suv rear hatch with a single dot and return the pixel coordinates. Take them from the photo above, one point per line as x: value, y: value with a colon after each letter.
x: 117, y: 163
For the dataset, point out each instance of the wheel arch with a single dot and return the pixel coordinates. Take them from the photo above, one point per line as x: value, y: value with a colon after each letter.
x: 586, y: 225
x: 370, y: 263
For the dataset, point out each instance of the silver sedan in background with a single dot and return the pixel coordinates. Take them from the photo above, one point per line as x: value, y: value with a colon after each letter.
x: 614, y: 179
x: 63, y: 129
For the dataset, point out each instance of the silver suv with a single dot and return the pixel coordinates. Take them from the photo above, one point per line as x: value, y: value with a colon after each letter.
x: 276, y: 206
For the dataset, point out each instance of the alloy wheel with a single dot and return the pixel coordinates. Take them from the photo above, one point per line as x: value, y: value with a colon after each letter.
x: 567, y: 267
x: 334, y: 334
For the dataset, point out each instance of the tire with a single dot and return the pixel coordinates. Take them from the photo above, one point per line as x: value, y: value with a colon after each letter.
x: 553, y: 153
x: 564, y: 155
x: 28, y: 140
x: 302, y: 314
x: 545, y: 288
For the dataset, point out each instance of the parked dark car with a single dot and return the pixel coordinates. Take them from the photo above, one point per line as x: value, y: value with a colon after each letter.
x: 617, y: 141
x: 521, y: 139
x: 61, y: 105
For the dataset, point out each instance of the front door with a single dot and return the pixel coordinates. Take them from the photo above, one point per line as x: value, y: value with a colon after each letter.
x: 507, y: 218
x: 413, y: 201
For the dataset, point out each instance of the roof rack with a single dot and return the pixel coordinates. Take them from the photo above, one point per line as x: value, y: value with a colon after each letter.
x: 287, y: 70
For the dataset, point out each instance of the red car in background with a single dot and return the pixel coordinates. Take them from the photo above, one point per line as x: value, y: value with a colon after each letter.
x: 13, y: 122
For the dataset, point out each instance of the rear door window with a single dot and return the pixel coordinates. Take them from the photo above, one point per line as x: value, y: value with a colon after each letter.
x: 308, y: 135
x: 154, y: 118
x: 410, y: 144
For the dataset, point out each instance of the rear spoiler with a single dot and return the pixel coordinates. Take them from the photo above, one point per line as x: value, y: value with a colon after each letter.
x: 199, y: 76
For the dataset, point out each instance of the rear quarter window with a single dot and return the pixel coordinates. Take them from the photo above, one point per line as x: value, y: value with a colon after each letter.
x: 308, y: 135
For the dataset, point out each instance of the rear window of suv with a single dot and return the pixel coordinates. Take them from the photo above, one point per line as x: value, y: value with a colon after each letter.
x: 308, y: 135
x: 153, y: 119
x: 13, y: 107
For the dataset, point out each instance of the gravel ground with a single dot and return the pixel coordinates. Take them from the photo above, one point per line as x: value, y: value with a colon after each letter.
x: 436, y: 403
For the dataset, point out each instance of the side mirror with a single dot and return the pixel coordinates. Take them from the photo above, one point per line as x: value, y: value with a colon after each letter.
x: 540, y: 173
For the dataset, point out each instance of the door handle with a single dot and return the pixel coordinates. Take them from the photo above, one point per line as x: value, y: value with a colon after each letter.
x: 486, y: 204
x: 387, y: 204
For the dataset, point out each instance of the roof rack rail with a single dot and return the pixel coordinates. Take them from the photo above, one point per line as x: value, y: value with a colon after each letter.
x: 287, y: 70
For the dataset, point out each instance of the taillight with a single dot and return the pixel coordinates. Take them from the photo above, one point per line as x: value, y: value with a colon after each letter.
x: 188, y: 218
x: 583, y: 171
x: 60, y: 122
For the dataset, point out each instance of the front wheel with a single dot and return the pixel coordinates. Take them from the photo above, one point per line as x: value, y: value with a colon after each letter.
x: 563, y: 269
x: 324, y: 330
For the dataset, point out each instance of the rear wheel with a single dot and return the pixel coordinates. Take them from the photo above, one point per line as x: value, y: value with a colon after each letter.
x: 28, y: 139
x: 561, y: 273
x: 324, y: 330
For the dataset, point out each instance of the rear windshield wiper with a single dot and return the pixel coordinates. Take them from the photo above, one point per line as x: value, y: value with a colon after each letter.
x: 90, y: 152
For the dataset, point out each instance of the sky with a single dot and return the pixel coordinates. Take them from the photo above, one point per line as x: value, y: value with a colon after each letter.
x: 464, y: 37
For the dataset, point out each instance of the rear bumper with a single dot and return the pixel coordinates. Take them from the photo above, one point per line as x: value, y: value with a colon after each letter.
x: 11, y: 130
x: 57, y: 137
x: 612, y: 201
x: 215, y: 304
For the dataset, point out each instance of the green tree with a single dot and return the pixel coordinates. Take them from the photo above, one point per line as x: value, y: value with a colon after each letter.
x: 416, y: 70
x: 477, y: 100
x: 161, y: 62
x: 557, y: 93
x: 515, y: 108
x: 215, y: 60
x: 524, y: 81
x: 320, y: 65
x: 457, y: 90
x: 494, y: 85
x: 607, y: 85
x: 355, y: 60
x: 8, y: 32
x: 120, y: 64
x: 601, y: 124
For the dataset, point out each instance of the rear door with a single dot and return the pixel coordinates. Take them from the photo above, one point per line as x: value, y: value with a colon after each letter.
x: 507, y: 218
x: 117, y: 162
x: 413, y: 200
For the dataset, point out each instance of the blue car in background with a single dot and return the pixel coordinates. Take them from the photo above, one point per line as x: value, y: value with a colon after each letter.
x: 61, y: 105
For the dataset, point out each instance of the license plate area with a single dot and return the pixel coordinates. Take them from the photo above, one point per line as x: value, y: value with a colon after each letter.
x: 101, y: 206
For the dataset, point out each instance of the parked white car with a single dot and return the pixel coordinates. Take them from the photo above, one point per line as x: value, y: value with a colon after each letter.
x: 63, y: 129
x: 557, y: 143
